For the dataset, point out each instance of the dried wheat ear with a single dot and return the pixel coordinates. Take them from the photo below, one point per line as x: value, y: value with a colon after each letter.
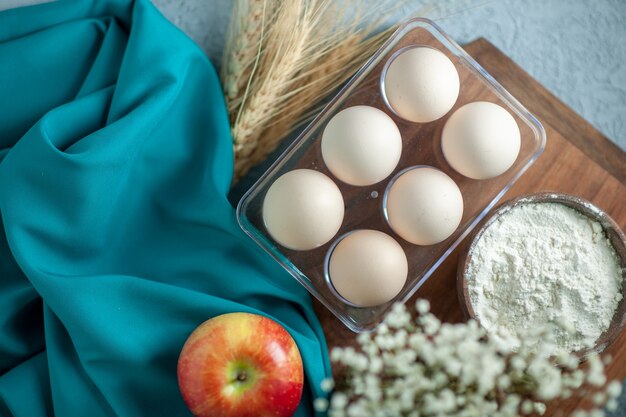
x: 282, y: 58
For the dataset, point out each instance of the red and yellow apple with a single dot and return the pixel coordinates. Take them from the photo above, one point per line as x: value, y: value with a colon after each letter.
x: 240, y: 365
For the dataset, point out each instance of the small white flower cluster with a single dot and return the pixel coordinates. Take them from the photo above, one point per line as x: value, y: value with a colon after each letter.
x: 422, y: 368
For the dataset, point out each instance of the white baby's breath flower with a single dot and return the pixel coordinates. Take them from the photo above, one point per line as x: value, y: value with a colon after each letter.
x: 320, y: 404
x: 614, y: 389
x: 400, y: 338
x: 596, y: 375
x: 364, y: 338
x: 453, y: 367
x: 335, y: 354
x: 549, y: 384
x: 445, y: 370
x: 357, y: 361
x: 518, y: 363
x: 422, y: 306
x: 504, y: 382
x: 575, y: 379
x: 447, y: 401
x: 440, y: 379
x: 527, y: 407
x: 511, y: 404
x: 371, y: 349
x: 357, y: 409
x: 589, y: 343
x: 327, y: 384
x: 567, y: 360
x: 398, y: 317
x: 430, y: 324
x: 407, y: 400
x: 384, y: 341
x: 427, y: 354
x: 339, y: 400
x: 382, y: 328
x: 376, y: 365
x: 612, y: 405
x: 416, y: 341
x: 373, y: 393
x: 599, y: 398
x: 540, y: 408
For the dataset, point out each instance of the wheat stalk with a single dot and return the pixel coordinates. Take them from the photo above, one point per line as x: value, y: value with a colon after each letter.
x: 243, y: 40
x: 285, y: 60
x: 286, y: 53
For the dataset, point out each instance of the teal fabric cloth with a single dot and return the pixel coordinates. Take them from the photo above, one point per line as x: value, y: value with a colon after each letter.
x: 117, y: 237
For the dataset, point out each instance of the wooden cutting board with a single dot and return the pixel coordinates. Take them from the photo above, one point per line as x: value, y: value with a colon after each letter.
x: 577, y: 160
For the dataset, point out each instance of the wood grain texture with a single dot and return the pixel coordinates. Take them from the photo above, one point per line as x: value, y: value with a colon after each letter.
x: 577, y: 160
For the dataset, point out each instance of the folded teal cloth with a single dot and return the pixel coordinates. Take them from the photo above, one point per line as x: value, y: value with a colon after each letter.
x: 117, y: 237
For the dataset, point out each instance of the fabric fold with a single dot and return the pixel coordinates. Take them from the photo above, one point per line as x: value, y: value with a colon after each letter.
x: 118, y: 237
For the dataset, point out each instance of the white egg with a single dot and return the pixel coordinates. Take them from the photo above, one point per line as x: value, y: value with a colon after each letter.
x: 303, y: 209
x: 361, y: 145
x: 421, y: 84
x: 481, y: 140
x: 368, y: 268
x: 424, y: 206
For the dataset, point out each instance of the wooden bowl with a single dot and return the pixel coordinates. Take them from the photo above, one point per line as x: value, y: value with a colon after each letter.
x: 612, y: 230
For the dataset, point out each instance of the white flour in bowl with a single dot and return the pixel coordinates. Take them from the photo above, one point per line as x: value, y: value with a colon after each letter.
x: 543, y: 264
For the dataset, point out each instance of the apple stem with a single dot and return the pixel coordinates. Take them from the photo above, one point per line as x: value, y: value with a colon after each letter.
x: 241, y: 376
